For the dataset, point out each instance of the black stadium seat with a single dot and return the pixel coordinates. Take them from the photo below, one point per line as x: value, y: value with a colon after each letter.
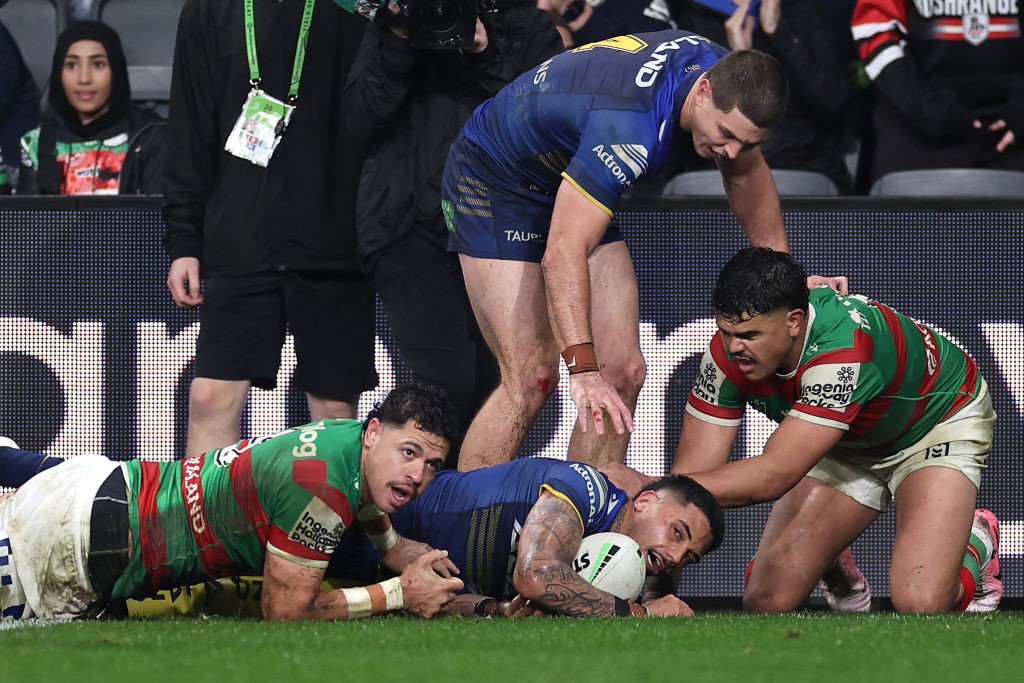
x: 788, y: 183
x: 147, y: 29
x: 35, y: 25
x: 951, y: 182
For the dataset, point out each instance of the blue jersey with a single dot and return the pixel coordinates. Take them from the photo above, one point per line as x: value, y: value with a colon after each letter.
x: 478, y: 516
x: 599, y: 116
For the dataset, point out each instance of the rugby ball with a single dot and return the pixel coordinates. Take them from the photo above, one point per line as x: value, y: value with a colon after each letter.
x: 613, y: 563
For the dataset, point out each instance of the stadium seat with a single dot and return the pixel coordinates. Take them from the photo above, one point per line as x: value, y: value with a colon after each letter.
x: 35, y: 25
x: 950, y: 182
x: 790, y: 183
x: 147, y: 29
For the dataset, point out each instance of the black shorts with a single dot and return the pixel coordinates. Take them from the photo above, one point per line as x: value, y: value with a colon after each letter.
x: 243, y: 321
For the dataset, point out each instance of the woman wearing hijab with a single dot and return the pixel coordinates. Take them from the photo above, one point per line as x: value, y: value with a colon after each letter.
x: 93, y: 140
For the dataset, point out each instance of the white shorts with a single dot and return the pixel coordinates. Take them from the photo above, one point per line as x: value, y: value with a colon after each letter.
x: 48, y: 522
x: 962, y: 442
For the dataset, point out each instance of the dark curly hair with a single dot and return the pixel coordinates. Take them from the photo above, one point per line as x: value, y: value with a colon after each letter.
x: 427, y: 405
x: 687, y: 490
x: 759, y: 280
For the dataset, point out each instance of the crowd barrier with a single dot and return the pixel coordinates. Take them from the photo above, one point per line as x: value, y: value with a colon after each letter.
x: 94, y: 356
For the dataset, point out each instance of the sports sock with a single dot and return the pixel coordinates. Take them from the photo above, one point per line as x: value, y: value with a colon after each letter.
x: 979, y: 550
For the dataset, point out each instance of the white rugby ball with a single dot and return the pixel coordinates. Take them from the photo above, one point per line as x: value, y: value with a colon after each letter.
x: 613, y: 563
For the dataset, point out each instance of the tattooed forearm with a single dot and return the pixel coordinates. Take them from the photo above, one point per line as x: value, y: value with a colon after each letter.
x: 551, y: 535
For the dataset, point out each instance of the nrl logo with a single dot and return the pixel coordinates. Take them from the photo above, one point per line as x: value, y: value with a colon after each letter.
x: 975, y: 28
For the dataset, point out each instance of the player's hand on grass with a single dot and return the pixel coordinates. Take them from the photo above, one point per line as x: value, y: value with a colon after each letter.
x: 596, y: 399
x: 183, y: 281
x: 426, y: 592
x: 668, y: 606
x: 521, y: 607
x: 840, y: 283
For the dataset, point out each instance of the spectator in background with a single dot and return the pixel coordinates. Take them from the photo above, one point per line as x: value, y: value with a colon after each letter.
x: 19, y: 105
x: 410, y: 104
x: 582, y: 22
x: 93, y: 140
x: 797, y: 33
x: 950, y: 83
x: 268, y: 225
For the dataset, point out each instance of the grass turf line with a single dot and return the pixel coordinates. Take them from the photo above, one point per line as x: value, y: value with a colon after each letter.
x: 709, y: 647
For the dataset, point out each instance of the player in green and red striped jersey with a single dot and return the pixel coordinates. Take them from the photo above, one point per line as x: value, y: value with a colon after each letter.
x: 871, y: 405
x: 276, y: 505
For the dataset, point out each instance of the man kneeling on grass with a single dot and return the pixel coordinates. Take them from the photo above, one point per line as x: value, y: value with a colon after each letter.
x: 77, y: 536
x: 872, y: 407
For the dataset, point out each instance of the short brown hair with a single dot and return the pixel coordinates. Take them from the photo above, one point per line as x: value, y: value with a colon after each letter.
x: 753, y: 81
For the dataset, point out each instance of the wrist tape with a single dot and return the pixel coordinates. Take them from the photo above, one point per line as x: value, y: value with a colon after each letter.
x: 580, y: 358
x: 366, y: 601
x: 378, y: 528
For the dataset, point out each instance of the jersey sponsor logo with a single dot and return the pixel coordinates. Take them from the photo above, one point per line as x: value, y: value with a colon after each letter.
x: 307, y: 437
x: 931, y: 350
x: 648, y: 73
x: 318, y: 528
x: 633, y: 157
x: 227, y: 455
x: 192, y: 488
x: 597, y: 491
x: 965, y: 8
x: 709, y: 380
x: 524, y: 236
x: 830, y: 385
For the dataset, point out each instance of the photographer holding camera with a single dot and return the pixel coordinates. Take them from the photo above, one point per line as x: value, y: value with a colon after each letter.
x: 409, y: 103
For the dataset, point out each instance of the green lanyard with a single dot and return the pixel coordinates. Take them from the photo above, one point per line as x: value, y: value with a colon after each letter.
x: 300, y: 48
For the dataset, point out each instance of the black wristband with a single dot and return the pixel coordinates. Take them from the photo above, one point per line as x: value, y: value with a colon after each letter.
x: 480, y: 609
x: 622, y: 608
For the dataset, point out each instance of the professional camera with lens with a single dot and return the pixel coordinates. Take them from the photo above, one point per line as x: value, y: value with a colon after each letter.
x: 432, y: 24
x: 441, y: 24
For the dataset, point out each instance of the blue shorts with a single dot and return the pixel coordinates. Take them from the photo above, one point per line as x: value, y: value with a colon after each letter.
x: 491, y: 218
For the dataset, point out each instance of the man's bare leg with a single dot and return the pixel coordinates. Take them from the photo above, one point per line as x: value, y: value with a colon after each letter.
x: 214, y: 410
x: 806, y: 530
x: 330, y: 408
x: 510, y: 307
x: 934, y: 512
x: 615, y: 320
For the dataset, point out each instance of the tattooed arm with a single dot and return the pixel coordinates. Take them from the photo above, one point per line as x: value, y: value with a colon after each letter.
x: 544, y: 574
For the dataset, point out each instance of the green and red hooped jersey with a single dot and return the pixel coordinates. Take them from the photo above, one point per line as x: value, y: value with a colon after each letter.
x: 879, y: 375
x: 293, y: 494
x: 86, y: 166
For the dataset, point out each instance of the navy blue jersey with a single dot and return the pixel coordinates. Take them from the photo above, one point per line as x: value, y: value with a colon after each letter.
x: 478, y: 516
x: 599, y: 116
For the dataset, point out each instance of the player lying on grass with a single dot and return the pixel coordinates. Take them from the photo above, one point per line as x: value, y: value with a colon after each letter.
x: 91, y: 530
x: 514, y: 529
x: 872, y: 405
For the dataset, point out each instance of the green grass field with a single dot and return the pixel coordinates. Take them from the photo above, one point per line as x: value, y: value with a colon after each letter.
x: 811, y: 646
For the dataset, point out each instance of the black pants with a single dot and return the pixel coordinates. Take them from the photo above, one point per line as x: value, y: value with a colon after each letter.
x: 424, y: 297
